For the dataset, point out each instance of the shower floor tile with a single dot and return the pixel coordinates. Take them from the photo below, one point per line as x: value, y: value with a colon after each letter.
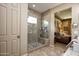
x: 57, y: 50
x: 34, y: 45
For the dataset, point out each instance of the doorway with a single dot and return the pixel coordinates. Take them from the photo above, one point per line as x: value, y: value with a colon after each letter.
x: 62, y: 33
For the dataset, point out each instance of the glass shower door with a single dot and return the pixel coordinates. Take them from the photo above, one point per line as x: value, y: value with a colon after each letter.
x: 37, y: 33
x: 32, y: 33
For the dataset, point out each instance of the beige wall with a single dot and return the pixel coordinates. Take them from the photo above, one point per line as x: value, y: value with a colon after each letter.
x: 23, y: 42
x: 75, y: 15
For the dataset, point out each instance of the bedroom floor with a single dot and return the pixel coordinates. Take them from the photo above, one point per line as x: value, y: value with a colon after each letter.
x: 57, y: 50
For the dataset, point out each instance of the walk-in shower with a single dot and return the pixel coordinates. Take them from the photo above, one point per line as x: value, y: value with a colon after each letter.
x: 37, y: 31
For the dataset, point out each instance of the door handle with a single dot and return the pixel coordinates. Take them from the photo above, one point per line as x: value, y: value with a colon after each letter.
x: 18, y: 36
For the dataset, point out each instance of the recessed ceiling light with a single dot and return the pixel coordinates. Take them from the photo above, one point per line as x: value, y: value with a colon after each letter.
x: 34, y: 5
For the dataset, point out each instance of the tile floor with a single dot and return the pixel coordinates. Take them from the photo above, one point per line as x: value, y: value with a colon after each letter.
x: 57, y: 50
x: 34, y: 45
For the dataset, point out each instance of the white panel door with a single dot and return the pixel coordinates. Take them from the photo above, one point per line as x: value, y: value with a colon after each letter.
x: 9, y: 29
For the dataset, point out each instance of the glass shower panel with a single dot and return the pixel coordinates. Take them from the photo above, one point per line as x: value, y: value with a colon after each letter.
x: 32, y: 35
x: 44, y: 29
x: 32, y: 32
x: 37, y: 33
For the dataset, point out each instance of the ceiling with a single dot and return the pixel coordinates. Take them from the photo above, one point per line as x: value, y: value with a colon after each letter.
x: 42, y: 7
x: 65, y: 14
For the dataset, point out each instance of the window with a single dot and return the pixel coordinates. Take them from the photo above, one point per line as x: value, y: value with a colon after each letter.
x: 32, y: 20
